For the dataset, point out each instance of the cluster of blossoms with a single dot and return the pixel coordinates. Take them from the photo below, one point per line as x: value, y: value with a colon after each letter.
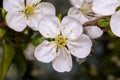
x: 68, y: 37
x: 82, y: 10
x: 106, y: 8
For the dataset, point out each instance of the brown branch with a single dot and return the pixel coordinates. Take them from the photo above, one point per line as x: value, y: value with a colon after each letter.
x: 94, y: 22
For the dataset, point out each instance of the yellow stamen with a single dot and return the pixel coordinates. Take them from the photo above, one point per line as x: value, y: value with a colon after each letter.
x: 29, y: 10
x: 60, y: 41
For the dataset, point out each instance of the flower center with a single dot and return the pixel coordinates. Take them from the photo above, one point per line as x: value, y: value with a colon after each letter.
x: 86, y: 7
x: 28, y: 11
x: 61, y: 41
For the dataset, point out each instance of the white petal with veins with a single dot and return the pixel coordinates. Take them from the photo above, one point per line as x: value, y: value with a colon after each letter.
x: 93, y: 31
x: 115, y: 24
x: 105, y: 7
x: 80, y: 47
x: 63, y: 62
x: 71, y: 27
x: 45, y: 52
x: 16, y: 21
x: 13, y: 5
x: 49, y: 26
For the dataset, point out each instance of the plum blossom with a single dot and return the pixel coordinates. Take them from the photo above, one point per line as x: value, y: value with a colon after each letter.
x: 23, y: 13
x: 82, y: 11
x: 67, y: 39
x: 105, y: 7
x: 108, y: 7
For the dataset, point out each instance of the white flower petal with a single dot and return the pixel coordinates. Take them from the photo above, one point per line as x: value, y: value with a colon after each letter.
x: 80, y: 47
x: 41, y: 10
x: 89, y: 1
x: 77, y: 3
x: 16, y: 21
x: 63, y: 62
x: 33, y: 21
x: 13, y: 5
x: 114, y: 23
x: 30, y: 2
x: 71, y: 27
x: 74, y: 12
x: 45, y: 8
x: 105, y: 7
x: 86, y: 8
x: 49, y: 26
x: 93, y: 32
x: 45, y: 52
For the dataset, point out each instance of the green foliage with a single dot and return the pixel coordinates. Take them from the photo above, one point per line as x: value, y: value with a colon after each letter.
x: 104, y: 22
x: 3, y: 13
x: 37, y: 39
x: 60, y: 16
x: 2, y: 33
x: 9, y: 53
x: 110, y: 32
x: 118, y: 8
x: 20, y: 62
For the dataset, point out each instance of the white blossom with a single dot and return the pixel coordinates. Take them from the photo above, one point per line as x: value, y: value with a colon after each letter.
x: 67, y: 39
x: 114, y: 23
x: 84, y: 14
x: 78, y: 3
x: 93, y: 32
x: 108, y: 7
x: 105, y: 7
x: 21, y: 15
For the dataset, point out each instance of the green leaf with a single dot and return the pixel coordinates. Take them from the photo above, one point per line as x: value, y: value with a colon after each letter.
x: 21, y: 63
x: 37, y: 39
x: 103, y: 22
x: 108, y: 19
x: 9, y: 53
x: 2, y: 33
x: 118, y: 8
x: 110, y: 33
x: 3, y: 13
x: 60, y: 16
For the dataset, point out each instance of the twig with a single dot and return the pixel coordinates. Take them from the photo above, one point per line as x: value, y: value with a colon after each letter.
x: 94, y: 22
